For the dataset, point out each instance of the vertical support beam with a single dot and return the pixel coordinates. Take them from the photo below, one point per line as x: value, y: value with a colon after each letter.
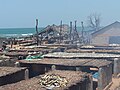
x: 74, y: 36
x: 75, y: 26
x: 37, y: 36
x: 47, y: 35
x: 11, y: 42
x: 70, y: 32
x: 60, y: 30
x: 41, y: 39
x: 14, y: 41
x: 82, y: 38
x: 76, y: 33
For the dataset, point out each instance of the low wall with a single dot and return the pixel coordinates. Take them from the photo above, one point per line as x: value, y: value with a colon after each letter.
x: 13, y: 77
x: 105, y: 76
x: 116, y: 66
x: 85, y: 84
x: 36, y: 69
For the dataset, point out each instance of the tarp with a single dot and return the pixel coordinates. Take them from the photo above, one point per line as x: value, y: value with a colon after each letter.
x: 34, y: 57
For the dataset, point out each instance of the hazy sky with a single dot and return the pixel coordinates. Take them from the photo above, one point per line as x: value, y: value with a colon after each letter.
x: 22, y: 13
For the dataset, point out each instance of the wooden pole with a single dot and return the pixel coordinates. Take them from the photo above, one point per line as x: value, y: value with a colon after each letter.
x: 70, y: 31
x: 82, y: 32
x: 11, y: 42
x: 41, y: 39
x: 37, y: 37
x: 76, y: 33
x: 75, y: 26
x: 60, y: 30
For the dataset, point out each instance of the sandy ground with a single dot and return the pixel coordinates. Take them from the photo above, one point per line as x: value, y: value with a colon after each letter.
x: 116, y: 84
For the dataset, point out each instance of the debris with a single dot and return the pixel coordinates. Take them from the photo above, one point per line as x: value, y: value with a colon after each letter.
x: 50, y: 81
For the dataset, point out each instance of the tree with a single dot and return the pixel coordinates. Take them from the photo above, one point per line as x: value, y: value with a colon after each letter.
x: 94, y: 21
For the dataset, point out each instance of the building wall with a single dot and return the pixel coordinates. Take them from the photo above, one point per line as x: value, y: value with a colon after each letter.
x: 103, y: 38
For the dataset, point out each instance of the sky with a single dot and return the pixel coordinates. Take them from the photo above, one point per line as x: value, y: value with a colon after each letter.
x: 22, y: 13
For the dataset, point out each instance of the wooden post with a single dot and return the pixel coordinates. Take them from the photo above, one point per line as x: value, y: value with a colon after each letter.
x: 60, y: 30
x: 47, y: 35
x: 37, y: 36
x: 11, y: 42
x: 41, y: 39
x: 82, y: 37
x: 76, y: 33
x: 70, y: 32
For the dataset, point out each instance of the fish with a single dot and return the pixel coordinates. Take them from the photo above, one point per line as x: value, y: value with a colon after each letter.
x: 52, y: 80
